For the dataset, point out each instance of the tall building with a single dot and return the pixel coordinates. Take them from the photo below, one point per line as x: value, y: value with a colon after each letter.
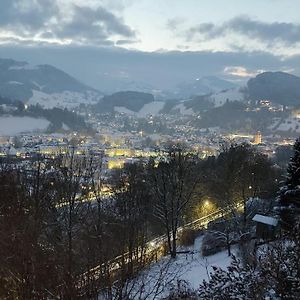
x: 257, y: 138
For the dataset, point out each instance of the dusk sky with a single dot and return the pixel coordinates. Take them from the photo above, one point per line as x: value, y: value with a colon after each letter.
x: 134, y: 39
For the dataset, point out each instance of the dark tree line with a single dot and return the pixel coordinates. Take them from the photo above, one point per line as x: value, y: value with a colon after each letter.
x: 271, y: 271
x: 289, y: 194
x: 50, y: 239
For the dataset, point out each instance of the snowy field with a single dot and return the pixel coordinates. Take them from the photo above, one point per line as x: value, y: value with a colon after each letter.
x: 65, y: 99
x: 220, y: 98
x: 152, y: 108
x: 158, y: 280
x: 17, y: 125
x: 289, y: 124
x: 183, y: 110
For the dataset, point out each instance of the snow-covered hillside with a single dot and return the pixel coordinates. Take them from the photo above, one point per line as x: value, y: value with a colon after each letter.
x: 203, y: 86
x: 182, y: 109
x: 152, y: 108
x: 44, y: 85
x: 220, y: 98
x: 15, y: 125
x: 66, y: 99
x: 198, y: 103
x: 290, y: 124
x: 192, y: 268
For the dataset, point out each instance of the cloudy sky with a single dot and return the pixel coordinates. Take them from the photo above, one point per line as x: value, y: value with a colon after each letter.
x: 158, y: 42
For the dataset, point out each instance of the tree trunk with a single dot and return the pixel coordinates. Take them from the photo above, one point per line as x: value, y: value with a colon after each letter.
x: 174, y: 245
x: 228, y: 245
x: 169, y: 243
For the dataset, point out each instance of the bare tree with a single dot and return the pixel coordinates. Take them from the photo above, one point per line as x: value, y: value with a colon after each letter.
x: 72, y: 177
x: 174, y: 182
x: 132, y: 215
x: 27, y: 213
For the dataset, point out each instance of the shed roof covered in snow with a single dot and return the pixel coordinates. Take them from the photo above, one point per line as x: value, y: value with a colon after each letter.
x: 265, y: 220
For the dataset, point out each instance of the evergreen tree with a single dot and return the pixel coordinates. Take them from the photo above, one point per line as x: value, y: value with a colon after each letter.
x: 289, y: 195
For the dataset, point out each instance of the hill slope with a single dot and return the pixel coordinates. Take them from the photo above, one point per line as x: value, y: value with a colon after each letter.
x: 279, y: 87
x: 129, y: 102
x: 32, y: 84
x: 203, y: 86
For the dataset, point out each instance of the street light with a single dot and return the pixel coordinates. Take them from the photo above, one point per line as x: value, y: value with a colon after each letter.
x: 206, y: 204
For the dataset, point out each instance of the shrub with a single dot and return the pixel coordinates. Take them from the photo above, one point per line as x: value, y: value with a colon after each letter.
x: 187, y: 237
x: 212, y: 244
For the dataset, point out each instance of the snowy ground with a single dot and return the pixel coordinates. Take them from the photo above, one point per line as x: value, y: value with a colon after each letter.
x: 289, y: 124
x: 183, y: 110
x: 152, y: 108
x: 16, y: 125
x: 220, y: 98
x: 65, y: 99
x: 196, y: 267
x: 192, y: 268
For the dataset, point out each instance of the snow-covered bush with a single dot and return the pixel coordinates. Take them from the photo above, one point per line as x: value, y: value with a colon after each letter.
x: 236, y: 283
x: 275, y: 274
x: 212, y: 243
x: 187, y: 237
x: 181, y: 290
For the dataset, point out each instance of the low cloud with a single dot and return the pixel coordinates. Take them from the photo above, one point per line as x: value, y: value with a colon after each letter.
x: 163, y: 70
x: 125, y: 42
x: 240, y: 71
x: 287, y: 33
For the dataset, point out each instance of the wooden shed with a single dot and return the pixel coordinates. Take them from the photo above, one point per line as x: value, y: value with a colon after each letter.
x: 265, y: 226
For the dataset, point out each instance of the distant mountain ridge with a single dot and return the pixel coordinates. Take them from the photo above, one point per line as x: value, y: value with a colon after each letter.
x: 203, y: 86
x: 278, y: 87
x: 20, y: 81
x: 51, y: 87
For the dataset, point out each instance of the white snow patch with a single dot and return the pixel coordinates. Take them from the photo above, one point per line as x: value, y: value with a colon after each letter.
x: 123, y: 110
x: 65, y: 127
x: 40, y: 87
x: 289, y: 124
x: 152, y: 108
x: 24, y: 67
x: 192, y: 268
x: 15, y: 82
x: 16, y: 125
x: 265, y: 220
x: 183, y: 110
x: 65, y: 99
x: 220, y: 98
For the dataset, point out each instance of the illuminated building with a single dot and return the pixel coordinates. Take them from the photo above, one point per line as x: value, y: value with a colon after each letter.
x: 115, y: 163
x: 257, y: 138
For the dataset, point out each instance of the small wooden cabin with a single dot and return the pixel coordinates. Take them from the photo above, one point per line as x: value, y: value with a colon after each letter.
x: 265, y: 226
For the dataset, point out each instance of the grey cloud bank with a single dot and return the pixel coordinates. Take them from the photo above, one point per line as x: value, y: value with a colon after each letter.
x: 30, y: 21
x: 104, y: 68
x: 86, y: 41
x: 288, y: 33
